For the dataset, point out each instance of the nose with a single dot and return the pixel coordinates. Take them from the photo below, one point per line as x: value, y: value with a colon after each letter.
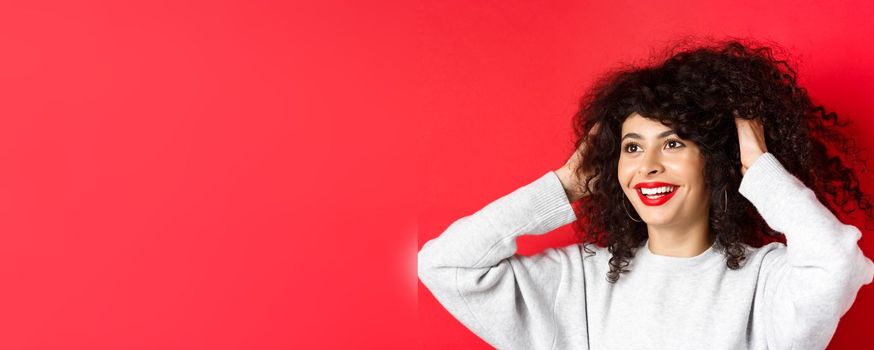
x: 650, y: 164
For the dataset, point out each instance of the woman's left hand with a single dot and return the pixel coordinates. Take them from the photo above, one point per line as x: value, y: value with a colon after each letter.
x: 751, y: 138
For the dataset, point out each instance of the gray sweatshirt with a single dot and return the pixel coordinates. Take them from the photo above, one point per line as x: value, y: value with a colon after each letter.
x: 784, y: 297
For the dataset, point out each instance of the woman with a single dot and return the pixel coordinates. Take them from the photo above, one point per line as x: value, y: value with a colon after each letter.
x: 686, y: 173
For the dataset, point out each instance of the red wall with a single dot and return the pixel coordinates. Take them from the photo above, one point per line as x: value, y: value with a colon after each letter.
x: 503, y: 81
x: 255, y: 174
x: 207, y: 175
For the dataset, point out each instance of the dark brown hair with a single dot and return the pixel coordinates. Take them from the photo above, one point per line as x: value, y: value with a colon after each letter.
x: 698, y: 91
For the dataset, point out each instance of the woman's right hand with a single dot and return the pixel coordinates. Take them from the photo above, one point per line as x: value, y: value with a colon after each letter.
x: 573, y: 185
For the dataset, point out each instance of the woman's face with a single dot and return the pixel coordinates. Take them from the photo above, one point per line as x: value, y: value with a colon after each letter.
x: 651, y: 154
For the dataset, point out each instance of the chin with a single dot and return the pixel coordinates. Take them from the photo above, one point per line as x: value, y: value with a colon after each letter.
x: 657, y: 221
x: 656, y: 215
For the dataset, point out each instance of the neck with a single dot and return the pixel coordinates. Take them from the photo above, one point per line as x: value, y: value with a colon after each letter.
x: 681, y: 240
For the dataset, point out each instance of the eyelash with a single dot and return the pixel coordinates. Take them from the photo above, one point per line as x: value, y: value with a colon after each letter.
x: 625, y: 148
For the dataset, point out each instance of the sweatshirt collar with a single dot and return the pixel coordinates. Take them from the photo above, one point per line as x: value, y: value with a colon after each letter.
x: 647, y: 259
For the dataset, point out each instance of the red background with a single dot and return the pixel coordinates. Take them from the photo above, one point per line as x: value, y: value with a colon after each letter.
x: 207, y: 175
x: 503, y: 81
x: 248, y: 174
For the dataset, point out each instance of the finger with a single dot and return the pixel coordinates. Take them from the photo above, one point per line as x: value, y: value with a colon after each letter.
x: 594, y: 129
x: 739, y: 122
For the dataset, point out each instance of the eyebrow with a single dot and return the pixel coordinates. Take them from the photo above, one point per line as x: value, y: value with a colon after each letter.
x: 637, y: 136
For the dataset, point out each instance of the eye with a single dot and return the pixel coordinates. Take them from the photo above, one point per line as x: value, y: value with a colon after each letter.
x: 630, y: 144
x: 680, y: 144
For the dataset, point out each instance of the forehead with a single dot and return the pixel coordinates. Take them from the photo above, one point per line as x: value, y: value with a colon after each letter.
x: 638, y: 124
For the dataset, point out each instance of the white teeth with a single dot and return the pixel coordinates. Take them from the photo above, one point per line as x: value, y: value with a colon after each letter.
x: 657, y: 190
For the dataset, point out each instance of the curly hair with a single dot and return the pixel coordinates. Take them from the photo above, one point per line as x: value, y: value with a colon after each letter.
x: 698, y: 92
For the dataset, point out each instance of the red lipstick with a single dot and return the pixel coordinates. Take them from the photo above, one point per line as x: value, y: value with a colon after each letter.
x: 657, y: 201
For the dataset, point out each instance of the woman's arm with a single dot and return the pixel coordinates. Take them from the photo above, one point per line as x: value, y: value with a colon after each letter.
x: 472, y: 269
x: 812, y: 283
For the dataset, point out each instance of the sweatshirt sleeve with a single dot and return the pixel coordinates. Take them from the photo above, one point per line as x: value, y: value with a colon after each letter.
x: 473, y: 271
x: 811, y: 284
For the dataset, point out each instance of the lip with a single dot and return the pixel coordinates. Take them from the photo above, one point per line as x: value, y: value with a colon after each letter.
x: 658, y: 201
x: 653, y: 184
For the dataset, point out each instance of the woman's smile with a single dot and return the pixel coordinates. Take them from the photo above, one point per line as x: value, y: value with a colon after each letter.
x: 656, y: 196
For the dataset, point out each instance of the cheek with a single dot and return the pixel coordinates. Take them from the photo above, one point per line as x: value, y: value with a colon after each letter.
x: 695, y: 178
x: 623, y: 173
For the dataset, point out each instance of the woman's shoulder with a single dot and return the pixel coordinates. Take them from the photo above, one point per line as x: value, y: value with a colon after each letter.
x: 770, y: 248
x: 587, y: 253
x: 763, y: 256
x: 588, y: 250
